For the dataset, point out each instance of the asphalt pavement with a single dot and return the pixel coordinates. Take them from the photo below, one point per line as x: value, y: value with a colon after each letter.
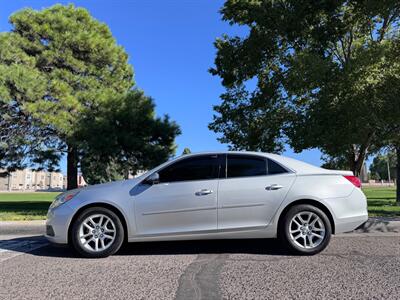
x: 354, y: 266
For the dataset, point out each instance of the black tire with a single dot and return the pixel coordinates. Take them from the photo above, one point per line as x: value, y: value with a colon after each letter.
x: 113, y: 246
x: 284, y: 230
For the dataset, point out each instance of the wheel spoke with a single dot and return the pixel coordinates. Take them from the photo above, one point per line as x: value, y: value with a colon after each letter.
x: 108, y: 237
x: 297, y: 223
x: 93, y: 222
x: 301, y: 219
x: 314, y: 221
x: 96, y: 244
x: 86, y: 235
x: 88, y: 226
x: 317, y: 235
x: 310, y: 215
x: 88, y: 241
x: 310, y: 241
x: 297, y: 236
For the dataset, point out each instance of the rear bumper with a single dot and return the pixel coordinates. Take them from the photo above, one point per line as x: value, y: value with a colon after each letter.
x: 349, y: 212
x: 349, y: 224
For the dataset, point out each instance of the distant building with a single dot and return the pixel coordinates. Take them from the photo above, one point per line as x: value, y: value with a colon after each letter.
x: 30, y: 180
x: 27, y: 179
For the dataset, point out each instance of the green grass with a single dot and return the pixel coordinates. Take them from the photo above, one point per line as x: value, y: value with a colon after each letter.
x: 25, y: 206
x: 382, y: 201
x: 33, y: 206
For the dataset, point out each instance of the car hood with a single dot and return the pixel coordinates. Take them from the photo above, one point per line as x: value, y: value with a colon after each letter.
x: 110, y: 185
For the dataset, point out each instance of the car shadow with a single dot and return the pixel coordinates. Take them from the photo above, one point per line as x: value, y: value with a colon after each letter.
x: 37, y: 246
x: 242, y: 246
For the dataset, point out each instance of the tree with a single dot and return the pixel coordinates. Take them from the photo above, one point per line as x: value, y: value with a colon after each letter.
x: 56, y: 66
x: 123, y: 136
x: 379, y: 167
x: 392, y: 132
x: 186, y: 151
x: 334, y: 163
x: 310, y: 73
x: 21, y: 143
x: 67, y: 87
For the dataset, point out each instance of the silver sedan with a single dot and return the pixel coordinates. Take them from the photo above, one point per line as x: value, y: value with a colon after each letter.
x: 221, y: 195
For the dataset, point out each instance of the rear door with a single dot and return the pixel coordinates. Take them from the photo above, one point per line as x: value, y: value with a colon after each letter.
x: 251, y: 192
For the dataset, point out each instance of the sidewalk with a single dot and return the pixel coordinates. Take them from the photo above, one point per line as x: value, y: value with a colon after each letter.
x: 373, y: 225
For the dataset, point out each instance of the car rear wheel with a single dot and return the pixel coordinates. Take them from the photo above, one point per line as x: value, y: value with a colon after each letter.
x: 305, y: 229
x: 97, y: 232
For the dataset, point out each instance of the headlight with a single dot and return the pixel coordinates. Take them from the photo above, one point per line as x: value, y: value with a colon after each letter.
x: 62, y: 198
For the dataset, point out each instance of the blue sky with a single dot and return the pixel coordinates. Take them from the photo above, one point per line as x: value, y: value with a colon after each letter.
x: 170, y: 45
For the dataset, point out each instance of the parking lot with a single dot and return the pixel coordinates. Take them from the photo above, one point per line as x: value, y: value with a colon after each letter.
x: 357, y: 266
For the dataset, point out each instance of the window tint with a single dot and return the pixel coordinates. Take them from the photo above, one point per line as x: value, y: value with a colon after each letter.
x: 244, y: 166
x: 195, y: 168
x: 274, y: 168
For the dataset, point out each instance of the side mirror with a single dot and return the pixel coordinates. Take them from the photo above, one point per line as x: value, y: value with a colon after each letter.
x: 152, y: 179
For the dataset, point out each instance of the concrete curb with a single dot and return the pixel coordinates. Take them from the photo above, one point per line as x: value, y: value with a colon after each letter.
x: 36, y: 227
x: 376, y: 225
x: 373, y: 225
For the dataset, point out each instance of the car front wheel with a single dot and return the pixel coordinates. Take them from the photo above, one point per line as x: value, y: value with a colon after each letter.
x: 305, y: 229
x: 97, y: 232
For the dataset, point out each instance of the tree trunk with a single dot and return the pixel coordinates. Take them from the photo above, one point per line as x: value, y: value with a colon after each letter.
x: 398, y: 175
x: 356, y: 162
x: 359, y: 165
x: 72, y: 168
x: 357, y: 156
x: 352, y: 162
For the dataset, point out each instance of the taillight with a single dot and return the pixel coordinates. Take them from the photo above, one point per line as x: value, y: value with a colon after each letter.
x: 354, y: 180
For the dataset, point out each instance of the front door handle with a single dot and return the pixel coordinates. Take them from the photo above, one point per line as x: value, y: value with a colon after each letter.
x: 203, y: 192
x: 273, y: 187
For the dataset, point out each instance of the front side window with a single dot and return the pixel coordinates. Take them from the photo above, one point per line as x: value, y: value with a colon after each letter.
x: 202, y: 167
x: 245, y: 166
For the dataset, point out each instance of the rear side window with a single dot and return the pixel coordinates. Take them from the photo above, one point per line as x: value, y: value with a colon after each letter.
x: 245, y: 166
x: 195, y: 168
x: 274, y: 168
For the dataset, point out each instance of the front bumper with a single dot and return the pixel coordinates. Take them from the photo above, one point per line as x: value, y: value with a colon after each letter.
x: 57, y: 224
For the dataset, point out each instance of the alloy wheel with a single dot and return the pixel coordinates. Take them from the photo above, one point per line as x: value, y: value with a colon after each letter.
x: 307, y: 230
x: 97, y: 232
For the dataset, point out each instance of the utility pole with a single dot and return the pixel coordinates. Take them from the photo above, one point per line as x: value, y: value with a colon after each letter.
x: 9, y: 181
x: 388, y: 168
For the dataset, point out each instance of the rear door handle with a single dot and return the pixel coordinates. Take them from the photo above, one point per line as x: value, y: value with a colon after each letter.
x: 203, y: 192
x: 273, y: 187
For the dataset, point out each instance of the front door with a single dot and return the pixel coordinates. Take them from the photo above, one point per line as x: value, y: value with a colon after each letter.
x: 184, y: 200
